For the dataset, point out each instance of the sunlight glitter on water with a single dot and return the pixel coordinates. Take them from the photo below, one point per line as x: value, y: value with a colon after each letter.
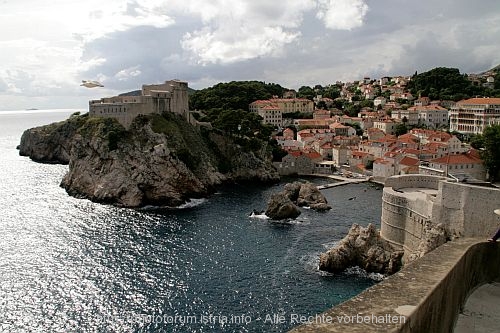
x: 72, y: 265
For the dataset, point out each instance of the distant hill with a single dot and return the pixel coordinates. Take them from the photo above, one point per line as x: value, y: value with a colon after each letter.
x: 495, y: 69
x: 233, y: 95
x: 444, y: 83
x: 132, y: 93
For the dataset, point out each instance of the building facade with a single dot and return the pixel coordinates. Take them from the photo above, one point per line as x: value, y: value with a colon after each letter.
x: 170, y: 96
x: 280, y: 106
x: 472, y: 116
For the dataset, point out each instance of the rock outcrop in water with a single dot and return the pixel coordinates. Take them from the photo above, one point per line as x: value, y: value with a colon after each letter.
x: 280, y: 207
x: 283, y: 205
x: 160, y: 160
x: 365, y: 248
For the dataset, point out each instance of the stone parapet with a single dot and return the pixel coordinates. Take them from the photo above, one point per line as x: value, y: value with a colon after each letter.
x: 425, y: 296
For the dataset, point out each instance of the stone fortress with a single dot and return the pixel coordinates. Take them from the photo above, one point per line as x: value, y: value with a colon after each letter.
x: 418, y: 208
x: 171, y: 96
x: 418, y: 213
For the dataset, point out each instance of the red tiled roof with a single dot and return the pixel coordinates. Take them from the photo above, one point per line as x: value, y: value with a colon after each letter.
x: 327, y: 145
x: 427, y: 108
x: 313, y: 155
x: 271, y: 107
x: 476, y: 101
x: 457, y: 159
x: 359, y: 153
x: 442, y: 136
x: 409, y: 161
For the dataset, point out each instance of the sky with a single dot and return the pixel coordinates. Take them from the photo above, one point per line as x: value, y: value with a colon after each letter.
x: 48, y: 47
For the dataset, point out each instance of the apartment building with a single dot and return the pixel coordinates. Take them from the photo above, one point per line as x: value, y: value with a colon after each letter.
x: 472, y: 116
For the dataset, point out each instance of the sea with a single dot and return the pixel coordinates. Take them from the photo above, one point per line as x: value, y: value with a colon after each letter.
x: 72, y: 265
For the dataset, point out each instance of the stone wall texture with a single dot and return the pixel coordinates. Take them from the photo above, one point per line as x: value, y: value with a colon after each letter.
x: 464, y: 210
x: 429, y: 293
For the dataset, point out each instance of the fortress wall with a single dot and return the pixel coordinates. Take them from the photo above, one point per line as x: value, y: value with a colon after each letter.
x: 429, y: 293
x: 403, y: 220
x: 413, y: 181
x: 125, y: 113
x: 171, y: 96
x: 467, y: 210
x: 404, y: 217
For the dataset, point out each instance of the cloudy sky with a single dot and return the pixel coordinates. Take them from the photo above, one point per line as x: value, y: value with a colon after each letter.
x: 48, y: 47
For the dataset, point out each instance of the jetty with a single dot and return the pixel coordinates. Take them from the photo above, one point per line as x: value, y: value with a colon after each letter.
x: 340, y: 180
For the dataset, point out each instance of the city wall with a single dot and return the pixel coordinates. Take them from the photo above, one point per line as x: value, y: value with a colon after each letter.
x: 411, y: 204
x: 429, y: 293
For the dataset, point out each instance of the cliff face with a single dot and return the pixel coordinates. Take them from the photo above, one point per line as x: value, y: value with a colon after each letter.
x: 50, y: 143
x: 160, y: 160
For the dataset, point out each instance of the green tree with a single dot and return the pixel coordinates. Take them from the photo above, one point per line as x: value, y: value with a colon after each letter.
x: 332, y: 92
x: 444, y: 83
x: 400, y: 129
x: 321, y: 105
x: 490, y: 152
x: 306, y: 92
x: 369, y: 164
x: 233, y: 95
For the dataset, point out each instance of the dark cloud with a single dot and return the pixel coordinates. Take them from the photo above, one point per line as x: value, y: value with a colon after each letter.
x: 396, y: 38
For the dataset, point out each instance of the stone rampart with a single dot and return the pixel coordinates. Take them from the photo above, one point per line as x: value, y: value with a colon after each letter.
x: 467, y: 210
x: 413, y: 181
x: 411, y: 204
x: 425, y: 296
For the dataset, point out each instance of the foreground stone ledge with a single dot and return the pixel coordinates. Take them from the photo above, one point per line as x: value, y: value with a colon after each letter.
x: 425, y: 296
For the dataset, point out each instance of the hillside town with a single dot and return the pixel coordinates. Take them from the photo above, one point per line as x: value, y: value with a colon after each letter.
x: 374, y: 127
x: 399, y: 134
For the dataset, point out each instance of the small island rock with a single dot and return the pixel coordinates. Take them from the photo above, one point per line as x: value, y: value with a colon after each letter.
x: 309, y: 195
x: 280, y: 207
x: 365, y: 248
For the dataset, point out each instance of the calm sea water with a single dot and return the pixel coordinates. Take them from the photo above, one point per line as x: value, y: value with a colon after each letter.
x: 70, y: 265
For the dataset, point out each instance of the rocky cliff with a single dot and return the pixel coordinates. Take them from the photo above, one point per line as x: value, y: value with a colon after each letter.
x: 160, y: 160
x: 51, y: 143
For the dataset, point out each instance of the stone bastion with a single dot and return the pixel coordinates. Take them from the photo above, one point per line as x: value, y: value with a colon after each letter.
x: 428, y: 293
x: 414, y: 204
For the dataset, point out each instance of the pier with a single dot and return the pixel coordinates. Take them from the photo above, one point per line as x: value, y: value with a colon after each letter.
x: 341, y: 180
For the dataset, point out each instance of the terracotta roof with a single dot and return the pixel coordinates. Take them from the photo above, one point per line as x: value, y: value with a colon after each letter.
x: 322, y: 111
x: 427, y: 108
x: 271, y: 107
x: 387, y: 138
x: 338, y: 125
x: 411, y: 151
x: 475, y: 101
x: 435, y: 145
x: 457, y: 159
x: 313, y: 155
x: 326, y: 145
x: 391, y: 154
x: 359, y: 153
x: 442, y: 136
x: 409, y: 161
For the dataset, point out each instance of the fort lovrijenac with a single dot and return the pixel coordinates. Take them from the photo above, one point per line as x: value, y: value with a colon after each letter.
x: 171, y: 96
